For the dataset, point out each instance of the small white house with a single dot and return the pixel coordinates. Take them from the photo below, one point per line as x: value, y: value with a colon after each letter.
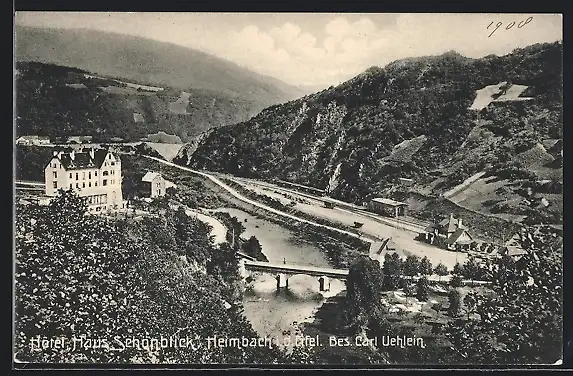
x: 33, y: 140
x: 156, y: 185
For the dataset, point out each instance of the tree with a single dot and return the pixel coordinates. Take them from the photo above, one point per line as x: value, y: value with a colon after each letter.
x: 364, y: 291
x: 457, y: 269
x: 392, y: 271
x: 470, y: 269
x: 441, y: 270
x: 426, y: 266
x: 456, y: 281
x: 86, y: 286
x: 422, y: 289
x: 521, y: 322
x: 252, y: 247
x: 111, y: 280
x: 412, y: 265
x: 454, y: 299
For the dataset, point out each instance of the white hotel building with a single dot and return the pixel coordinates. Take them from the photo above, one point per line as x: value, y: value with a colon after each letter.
x: 92, y: 173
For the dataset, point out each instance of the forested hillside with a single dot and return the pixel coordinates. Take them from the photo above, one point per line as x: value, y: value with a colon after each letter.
x: 417, y: 118
x: 58, y: 101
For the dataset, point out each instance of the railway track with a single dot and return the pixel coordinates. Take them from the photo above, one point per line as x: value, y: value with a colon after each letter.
x: 406, y: 222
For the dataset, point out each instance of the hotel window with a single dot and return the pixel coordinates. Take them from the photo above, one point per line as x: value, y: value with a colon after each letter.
x: 112, y: 163
x: 70, y: 175
x: 84, y: 184
x: 113, y: 172
x: 55, y: 184
x: 77, y: 185
x: 89, y: 175
x: 71, y: 186
x: 96, y: 183
x: 105, y: 173
x: 90, y: 184
x: 84, y: 175
x: 77, y: 176
x: 104, y: 182
x: 59, y: 165
x: 55, y: 174
x: 95, y: 173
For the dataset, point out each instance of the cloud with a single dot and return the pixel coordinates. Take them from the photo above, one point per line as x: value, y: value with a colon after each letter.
x: 348, y: 48
x: 296, y: 56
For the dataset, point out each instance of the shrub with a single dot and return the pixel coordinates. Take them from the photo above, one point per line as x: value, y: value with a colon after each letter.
x: 422, y: 289
x: 454, y: 298
x: 456, y: 281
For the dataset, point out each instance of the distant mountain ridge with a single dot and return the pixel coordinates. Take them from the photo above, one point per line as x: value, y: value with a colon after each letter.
x: 149, y: 62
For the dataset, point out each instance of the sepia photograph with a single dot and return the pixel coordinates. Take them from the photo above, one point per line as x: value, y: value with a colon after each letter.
x: 288, y: 189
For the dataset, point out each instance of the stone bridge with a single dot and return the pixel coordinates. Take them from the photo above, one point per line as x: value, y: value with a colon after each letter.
x: 283, y: 271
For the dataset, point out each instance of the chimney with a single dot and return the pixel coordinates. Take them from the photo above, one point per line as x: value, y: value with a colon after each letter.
x: 56, y: 153
x: 459, y: 223
x: 92, y: 153
x: 60, y: 154
x: 72, y: 155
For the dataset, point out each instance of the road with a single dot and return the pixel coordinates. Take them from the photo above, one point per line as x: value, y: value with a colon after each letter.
x: 372, y: 230
x: 239, y: 196
x: 341, y: 205
x: 30, y: 183
x: 218, y: 230
x: 374, y: 225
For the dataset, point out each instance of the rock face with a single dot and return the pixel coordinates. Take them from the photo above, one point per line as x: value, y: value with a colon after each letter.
x: 415, y: 118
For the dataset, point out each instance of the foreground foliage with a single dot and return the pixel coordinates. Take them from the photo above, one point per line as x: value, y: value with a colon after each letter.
x: 83, y: 276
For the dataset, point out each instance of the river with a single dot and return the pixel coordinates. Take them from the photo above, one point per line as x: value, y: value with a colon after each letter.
x: 279, y: 316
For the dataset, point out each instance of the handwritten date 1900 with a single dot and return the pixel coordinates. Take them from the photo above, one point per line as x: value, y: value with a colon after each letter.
x: 509, y: 25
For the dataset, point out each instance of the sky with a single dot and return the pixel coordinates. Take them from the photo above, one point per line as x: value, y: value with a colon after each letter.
x: 319, y: 49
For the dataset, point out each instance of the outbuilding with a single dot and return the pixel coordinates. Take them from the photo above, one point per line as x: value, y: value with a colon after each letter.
x: 386, y: 206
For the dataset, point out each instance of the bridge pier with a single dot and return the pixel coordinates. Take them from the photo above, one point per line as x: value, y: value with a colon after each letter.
x: 282, y: 281
x: 324, y: 284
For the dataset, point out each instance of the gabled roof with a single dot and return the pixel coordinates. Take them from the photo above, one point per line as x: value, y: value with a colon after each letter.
x: 387, y: 245
x: 82, y: 159
x: 150, y: 176
x: 375, y: 248
x: 456, y: 235
x: 452, y: 224
x: 446, y: 225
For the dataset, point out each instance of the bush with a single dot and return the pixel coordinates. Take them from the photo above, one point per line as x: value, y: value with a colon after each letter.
x: 456, y: 281
x: 422, y: 289
x: 454, y: 298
